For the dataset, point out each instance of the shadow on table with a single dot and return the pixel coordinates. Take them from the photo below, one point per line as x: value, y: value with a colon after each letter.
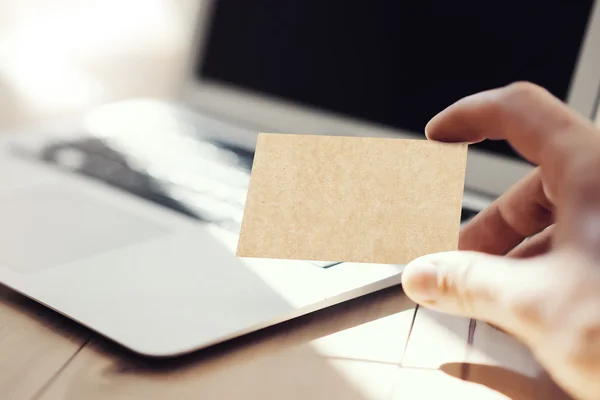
x: 297, y: 331
x: 277, y: 362
x: 507, y: 382
x: 490, y: 358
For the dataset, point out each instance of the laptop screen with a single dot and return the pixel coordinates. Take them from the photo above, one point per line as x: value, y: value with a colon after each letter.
x: 395, y: 63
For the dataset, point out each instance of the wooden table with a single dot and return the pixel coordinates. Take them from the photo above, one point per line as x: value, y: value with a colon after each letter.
x: 376, y: 347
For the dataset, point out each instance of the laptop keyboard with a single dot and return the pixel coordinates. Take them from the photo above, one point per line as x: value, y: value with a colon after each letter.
x: 204, y: 189
x: 204, y: 179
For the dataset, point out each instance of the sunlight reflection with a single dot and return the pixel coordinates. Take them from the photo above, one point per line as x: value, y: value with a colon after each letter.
x: 302, y: 284
x: 377, y: 381
x: 379, y: 341
x: 436, y: 339
x: 417, y: 384
x: 56, y: 55
x: 372, y: 381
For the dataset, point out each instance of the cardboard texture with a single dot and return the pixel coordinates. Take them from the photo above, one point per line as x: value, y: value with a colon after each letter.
x: 371, y: 200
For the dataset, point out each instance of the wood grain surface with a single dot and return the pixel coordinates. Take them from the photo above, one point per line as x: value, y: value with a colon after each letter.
x: 362, y: 349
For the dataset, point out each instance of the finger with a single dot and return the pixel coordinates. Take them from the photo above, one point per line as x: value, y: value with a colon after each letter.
x: 520, y: 213
x: 528, y: 116
x: 534, y: 246
x: 546, y: 132
x: 494, y: 289
x: 538, y: 125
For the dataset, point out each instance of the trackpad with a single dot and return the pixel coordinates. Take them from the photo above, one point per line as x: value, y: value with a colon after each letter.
x: 50, y: 226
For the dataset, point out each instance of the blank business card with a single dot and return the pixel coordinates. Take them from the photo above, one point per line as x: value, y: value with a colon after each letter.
x: 371, y: 200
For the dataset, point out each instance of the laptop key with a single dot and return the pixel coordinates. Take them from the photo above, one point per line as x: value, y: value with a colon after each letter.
x: 192, y: 183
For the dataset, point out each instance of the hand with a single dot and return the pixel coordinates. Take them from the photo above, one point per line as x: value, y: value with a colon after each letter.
x: 530, y: 263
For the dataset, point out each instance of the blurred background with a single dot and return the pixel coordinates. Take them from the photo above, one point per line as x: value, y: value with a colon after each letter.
x: 58, y: 57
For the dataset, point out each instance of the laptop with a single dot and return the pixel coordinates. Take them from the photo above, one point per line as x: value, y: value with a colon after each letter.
x: 127, y: 220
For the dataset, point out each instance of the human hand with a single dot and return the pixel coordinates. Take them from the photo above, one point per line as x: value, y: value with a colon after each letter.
x: 544, y: 290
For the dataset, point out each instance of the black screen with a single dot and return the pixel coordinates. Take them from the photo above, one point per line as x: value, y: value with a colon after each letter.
x: 396, y: 63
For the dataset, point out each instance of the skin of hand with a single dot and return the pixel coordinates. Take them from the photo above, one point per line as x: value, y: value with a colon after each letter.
x: 530, y: 263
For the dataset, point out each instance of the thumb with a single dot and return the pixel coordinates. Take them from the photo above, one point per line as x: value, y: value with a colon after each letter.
x: 468, y: 284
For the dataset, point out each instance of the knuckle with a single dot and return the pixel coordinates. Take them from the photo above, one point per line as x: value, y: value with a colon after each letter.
x: 580, y: 340
x: 527, y: 94
x: 523, y: 90
x: 565, y: 312
x: 521, y: 94
x: 582, y: 323
x: 528, y: 309
x: 454, y: 282
x: 512, y: 99
x: 588, y: 333
x: 578, y: 169
x: 538, y: 300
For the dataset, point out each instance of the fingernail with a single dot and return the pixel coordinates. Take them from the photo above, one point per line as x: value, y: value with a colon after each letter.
x: 419, y: 280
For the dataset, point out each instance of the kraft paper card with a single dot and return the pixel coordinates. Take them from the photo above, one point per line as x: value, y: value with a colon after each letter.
x: 371, y: 200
